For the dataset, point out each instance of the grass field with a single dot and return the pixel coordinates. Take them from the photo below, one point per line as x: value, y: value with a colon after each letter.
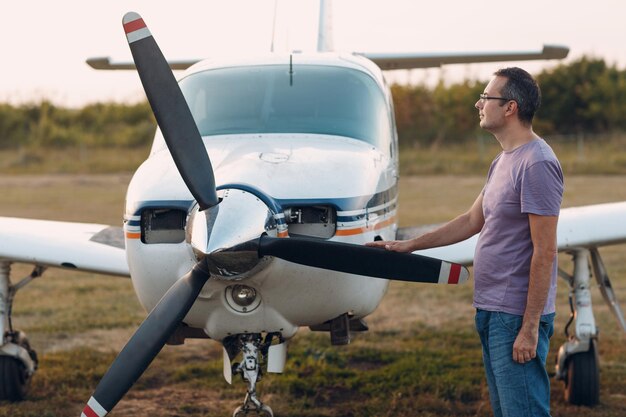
x: 588, y: 155
x: 420, y: 357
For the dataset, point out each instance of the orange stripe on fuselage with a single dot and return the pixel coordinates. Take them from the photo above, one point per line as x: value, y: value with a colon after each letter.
x: 130, y: 235
x: 359, y: 230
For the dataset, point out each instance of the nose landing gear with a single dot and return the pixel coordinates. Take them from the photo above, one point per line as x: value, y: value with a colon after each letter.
x: 251, y: 372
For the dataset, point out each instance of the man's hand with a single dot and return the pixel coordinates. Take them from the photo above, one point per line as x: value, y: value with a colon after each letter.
x: 457, y: 230
x: 525, y: 346
x: 392, y: 245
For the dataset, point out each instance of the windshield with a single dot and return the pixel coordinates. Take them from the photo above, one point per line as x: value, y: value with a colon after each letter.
x: 267, y: 99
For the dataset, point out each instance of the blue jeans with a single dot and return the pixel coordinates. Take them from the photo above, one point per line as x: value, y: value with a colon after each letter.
x: 514, y: 389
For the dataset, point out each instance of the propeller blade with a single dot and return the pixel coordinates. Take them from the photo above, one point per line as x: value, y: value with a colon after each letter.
x: 147, y: 342
x: 171, y: 111
x: 363, y: 260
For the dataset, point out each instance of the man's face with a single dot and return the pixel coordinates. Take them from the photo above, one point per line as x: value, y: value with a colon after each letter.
x: 491, y: 109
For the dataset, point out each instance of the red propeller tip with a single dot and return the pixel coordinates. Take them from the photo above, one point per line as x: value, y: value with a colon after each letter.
x: 134, y: 27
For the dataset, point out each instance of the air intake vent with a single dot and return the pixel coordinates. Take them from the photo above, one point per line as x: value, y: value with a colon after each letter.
x: 163, y: 226
x: 311, y: 221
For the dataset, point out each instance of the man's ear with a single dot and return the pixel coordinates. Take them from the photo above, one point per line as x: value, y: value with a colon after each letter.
x: 511, y: 108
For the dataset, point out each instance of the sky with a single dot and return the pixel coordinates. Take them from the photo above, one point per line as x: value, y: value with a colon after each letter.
x: 44, y: 44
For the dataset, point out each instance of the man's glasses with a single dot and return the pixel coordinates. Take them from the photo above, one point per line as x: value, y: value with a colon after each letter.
x: 485, y: 97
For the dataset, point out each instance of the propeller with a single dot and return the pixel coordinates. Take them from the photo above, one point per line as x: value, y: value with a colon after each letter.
x: 171, y: 112
x: 363, y: 260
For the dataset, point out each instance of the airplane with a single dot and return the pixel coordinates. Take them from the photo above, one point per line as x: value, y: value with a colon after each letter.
x: 249, y: 217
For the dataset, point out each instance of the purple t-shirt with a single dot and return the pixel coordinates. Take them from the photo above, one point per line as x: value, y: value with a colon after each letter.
x: 525, y: 180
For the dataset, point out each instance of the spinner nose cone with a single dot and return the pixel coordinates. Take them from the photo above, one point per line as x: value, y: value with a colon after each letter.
x: 228, y: 233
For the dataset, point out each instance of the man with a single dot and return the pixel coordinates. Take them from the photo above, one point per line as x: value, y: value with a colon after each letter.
x: 515, y: 260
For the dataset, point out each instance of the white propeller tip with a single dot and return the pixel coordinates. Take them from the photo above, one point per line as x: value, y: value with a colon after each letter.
x: 130, y: 17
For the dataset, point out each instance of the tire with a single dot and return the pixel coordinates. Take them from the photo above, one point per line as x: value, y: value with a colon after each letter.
x: 13, y: 379
x: 265, y: 411
x: 582, y: 385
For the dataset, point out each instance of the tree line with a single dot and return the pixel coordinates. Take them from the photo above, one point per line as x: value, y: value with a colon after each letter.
x: 584, y: 96
x: 95, y: 125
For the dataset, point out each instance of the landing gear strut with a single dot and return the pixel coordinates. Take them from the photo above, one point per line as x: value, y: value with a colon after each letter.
x: 253, y: 348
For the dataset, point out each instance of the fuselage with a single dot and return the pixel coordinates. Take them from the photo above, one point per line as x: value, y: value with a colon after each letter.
x: 300, y: 146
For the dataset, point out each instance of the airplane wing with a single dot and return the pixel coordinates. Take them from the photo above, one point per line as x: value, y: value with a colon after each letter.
x: 386, y: 61
x: 82, y: 246
x: 585, y: 226
x: 395, y: 61
x: 105, y: 63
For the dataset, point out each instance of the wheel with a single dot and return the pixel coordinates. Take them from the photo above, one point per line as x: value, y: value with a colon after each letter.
x: 13, y: 379
x: 265, y: 411
x: 582, y: 385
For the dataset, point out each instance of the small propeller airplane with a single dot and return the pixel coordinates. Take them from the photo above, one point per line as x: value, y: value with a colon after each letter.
x: 249, y: 217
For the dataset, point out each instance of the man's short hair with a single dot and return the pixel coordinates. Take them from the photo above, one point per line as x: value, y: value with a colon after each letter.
x: 522, y: 88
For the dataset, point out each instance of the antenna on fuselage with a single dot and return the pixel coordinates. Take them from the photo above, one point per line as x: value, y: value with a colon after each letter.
x: 325, y: 28
x: 274, y: 26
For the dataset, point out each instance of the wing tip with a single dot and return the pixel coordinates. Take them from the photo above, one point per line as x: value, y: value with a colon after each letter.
x: 555, y: 51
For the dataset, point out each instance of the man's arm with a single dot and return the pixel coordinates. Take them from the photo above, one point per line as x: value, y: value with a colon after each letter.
x: 462, y: 227
x: 543, y: 235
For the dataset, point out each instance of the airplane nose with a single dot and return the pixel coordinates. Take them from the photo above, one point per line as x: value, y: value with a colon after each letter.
x: 228, y: 234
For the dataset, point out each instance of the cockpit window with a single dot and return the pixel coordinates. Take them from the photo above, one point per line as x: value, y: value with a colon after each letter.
x: 267, y: 99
